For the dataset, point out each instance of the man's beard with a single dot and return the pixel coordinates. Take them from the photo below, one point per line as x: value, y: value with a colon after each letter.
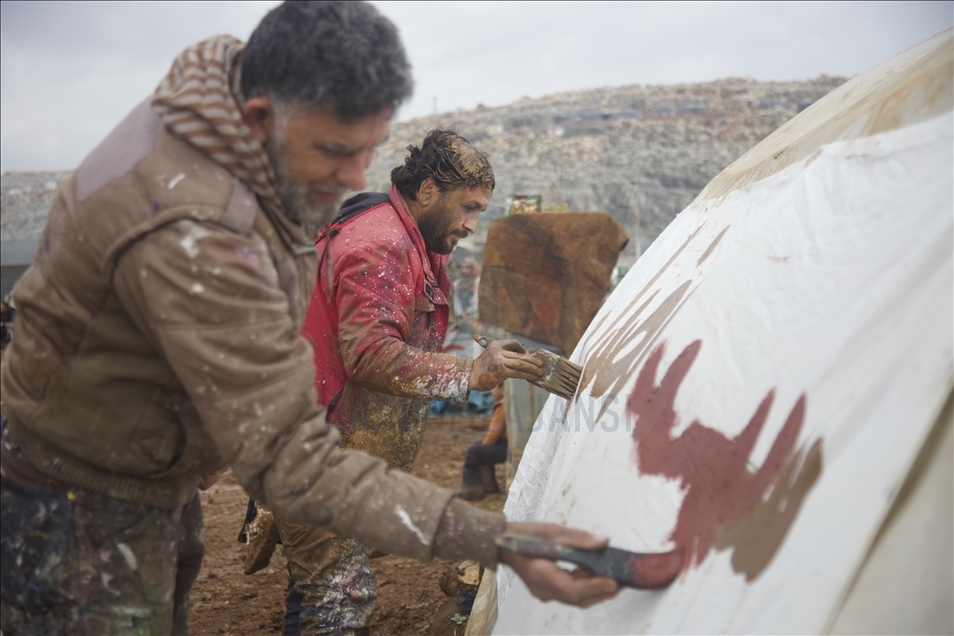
x: 434, y: 231
x: 312, y: 217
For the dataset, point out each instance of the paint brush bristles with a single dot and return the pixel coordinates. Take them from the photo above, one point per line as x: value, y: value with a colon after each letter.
x: 562, y: 377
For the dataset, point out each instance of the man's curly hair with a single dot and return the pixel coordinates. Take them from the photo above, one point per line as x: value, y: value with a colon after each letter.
x: 447, y: 158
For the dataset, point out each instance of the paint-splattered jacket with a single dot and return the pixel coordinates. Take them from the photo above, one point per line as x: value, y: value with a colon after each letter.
x: 377, y: 320
x: 158, y: 340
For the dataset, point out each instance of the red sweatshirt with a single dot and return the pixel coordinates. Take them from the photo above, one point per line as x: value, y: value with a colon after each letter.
x: 377, y: 320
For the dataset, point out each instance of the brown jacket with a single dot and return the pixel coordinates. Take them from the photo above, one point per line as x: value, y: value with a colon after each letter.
x: 158, y: 341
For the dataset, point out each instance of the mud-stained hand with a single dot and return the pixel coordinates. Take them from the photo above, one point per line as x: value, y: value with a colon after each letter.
x: 548, y: 581
x: 503, y: 359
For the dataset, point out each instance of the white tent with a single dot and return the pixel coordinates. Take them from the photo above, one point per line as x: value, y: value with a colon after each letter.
x: 770, y: 386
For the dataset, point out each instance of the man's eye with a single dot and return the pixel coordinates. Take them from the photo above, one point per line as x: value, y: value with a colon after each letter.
x: 337, y: 151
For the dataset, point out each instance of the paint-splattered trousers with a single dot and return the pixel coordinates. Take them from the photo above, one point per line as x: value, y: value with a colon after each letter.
x: 77, y: 562
x: 331, y: 587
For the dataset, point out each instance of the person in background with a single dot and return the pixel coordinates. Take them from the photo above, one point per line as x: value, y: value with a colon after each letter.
x: 465, y: 290
x: 377, y: 319
x: 479, y: 480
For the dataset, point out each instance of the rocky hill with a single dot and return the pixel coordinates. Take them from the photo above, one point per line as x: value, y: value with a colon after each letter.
x: 25, y: 199
x: 649, y: 149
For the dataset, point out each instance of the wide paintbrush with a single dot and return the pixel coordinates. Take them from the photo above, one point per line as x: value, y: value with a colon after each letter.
x: 642, y: 570
x: 561, y: 377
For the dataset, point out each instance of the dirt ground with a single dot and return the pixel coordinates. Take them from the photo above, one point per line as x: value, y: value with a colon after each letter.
x: 410, y: 600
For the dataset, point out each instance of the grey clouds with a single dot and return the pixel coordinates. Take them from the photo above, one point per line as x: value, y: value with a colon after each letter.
x: 72, y: 70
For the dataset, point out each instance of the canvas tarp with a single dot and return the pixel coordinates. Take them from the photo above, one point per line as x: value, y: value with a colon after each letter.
x: 760, y: 387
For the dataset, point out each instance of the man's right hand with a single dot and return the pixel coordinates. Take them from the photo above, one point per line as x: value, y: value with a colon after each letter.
x: 503, y: 359
x: 548, y: 581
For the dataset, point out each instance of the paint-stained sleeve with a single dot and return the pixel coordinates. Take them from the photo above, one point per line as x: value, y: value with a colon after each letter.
x: 210, y: 303
x: 377, y: 299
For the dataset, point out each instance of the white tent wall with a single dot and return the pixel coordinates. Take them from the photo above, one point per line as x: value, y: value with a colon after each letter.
x: 797, y: 321
x: 909, y: 88
x: 906, y: 584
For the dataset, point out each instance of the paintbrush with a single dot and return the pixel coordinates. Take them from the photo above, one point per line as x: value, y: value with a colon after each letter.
x: 561, y: 377
x: 642, y: 570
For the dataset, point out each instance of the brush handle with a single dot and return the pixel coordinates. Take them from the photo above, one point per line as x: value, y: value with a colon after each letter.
x: 545, y: 549
x: 648, y: 571
x: 484, y: 342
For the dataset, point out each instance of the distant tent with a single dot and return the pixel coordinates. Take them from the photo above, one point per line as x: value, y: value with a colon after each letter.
x: 770, y: 387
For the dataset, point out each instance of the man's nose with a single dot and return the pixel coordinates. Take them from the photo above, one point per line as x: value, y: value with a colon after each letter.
x: 470, y: 225
x: 351, y: 171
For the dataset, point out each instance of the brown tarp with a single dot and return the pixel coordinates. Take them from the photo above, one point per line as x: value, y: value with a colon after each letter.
x: 545, y: 276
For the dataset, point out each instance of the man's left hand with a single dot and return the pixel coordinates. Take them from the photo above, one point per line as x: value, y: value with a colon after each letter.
x: 503, y: 359
x: 548, y: 581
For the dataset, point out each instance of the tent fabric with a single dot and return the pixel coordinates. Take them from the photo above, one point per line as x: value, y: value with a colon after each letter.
x: 759, y: 386
x: 909, y: 88
x: 906, y: 584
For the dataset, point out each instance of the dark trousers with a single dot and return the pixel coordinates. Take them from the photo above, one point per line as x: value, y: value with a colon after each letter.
x: 485, y: 455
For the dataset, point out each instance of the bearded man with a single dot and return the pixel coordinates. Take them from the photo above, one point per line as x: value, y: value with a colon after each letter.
x: 158, y: 338
x: 377, y: 320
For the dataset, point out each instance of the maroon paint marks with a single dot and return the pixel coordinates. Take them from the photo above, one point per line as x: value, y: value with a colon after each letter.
x: 723, y: 505
x: 655, y: 571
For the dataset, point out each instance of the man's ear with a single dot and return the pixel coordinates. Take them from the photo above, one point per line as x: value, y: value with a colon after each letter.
x: 428, y: 192
x: 260, y: 117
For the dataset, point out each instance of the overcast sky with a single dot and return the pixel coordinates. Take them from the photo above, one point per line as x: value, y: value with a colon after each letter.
x: 72, y: 70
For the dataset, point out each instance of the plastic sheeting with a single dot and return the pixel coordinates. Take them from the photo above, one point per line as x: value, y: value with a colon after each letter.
x: 756, y: 390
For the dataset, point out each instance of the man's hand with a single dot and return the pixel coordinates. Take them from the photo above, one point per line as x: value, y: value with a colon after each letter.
x: 548, y: 581
x: 503, y: 359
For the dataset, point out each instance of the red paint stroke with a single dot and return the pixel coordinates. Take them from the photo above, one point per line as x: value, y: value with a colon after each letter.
x: 711, y: 468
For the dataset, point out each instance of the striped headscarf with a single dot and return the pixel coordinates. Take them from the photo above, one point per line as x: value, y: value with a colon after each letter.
x: 197, y: 102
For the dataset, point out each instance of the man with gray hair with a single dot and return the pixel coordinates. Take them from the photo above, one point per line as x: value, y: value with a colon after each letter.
x: 158, y: 338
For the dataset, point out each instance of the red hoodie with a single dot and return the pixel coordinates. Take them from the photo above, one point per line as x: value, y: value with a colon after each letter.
x: 377, y: 320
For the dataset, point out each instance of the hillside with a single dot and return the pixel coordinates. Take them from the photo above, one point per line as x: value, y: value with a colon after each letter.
x: 646, y: 148
x: 651, y: 148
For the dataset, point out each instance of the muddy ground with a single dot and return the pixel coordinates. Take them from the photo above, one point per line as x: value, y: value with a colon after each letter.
x: 410, y: 600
